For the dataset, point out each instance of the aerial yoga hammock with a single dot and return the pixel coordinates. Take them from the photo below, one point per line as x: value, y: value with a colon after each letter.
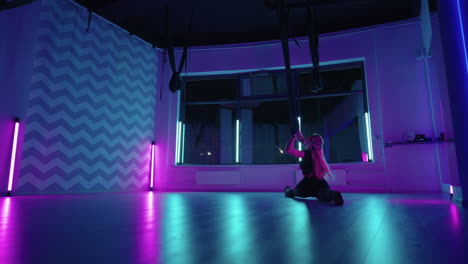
x: 313, y: 165
x: 282, y: 15
x: 175, y: 83
x: 282, y: 11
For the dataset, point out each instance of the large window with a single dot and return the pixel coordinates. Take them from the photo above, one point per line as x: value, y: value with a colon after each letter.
x: 244, y: 119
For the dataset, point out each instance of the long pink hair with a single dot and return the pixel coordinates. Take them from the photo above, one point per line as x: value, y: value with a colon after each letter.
x: 321, y: 168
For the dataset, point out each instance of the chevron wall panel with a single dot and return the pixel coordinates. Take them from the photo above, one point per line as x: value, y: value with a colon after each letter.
x: 91, y: 109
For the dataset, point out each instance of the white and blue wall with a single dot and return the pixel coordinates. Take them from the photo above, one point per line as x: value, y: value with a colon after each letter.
x: 87, y: 103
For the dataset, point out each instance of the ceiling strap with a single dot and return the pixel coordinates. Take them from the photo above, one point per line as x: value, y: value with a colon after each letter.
x: 282, y: 14
x: 312, y: 23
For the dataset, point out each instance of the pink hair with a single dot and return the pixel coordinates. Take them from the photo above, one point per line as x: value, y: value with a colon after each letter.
x: 321, y: 168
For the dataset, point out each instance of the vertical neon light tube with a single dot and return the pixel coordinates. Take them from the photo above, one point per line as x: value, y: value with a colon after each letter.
x: 369, y: 137
x: 182, y: 148
x: 299, y: 144
x: 451, y: 192
x: 13, y: 157
x: 237, y: 139
x: 180, y: 140
x: 152, y: 167
x: 177, y: 151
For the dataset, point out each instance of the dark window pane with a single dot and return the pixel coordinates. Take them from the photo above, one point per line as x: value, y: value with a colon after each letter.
x: 268, y: 84
x: 265, y: 132
x: 212, y: 107
x: 340, y: 120
x: 334, y: 81
x: 209, y: 134
x: 207, y: 90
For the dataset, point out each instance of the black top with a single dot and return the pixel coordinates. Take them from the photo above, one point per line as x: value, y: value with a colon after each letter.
x: 306, y: 165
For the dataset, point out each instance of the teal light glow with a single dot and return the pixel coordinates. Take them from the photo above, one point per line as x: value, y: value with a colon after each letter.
x: 182, y: 148
x: 369, y: 137
x: 377, y: 233
x: 177, y: 230
x: 178, y: 132
x: 238, y: 235
x: 237, y: 140
x: 299, y: 231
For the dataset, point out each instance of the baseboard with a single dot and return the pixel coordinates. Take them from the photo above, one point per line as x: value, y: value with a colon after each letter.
x: 223, y: 177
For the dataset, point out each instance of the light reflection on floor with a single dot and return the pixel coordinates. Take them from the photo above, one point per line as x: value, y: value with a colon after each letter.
x: 299, y: 233
x: 223, y: 228
x: 177, y: 239
x: 7, y: 232
x: 455, y: 217
x: 238, y: 235
x: 148, y: 241
x: 386, y: 244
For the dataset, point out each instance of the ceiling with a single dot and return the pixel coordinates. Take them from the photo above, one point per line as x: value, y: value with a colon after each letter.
x: 216, y: 22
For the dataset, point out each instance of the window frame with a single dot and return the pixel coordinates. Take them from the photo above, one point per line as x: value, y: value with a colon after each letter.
x: 296, y: 70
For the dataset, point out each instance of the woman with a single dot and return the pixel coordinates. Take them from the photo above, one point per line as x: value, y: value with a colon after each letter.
x: 314, y: 168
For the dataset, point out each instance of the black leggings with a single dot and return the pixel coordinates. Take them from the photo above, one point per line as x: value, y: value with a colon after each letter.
x: 313, y: 187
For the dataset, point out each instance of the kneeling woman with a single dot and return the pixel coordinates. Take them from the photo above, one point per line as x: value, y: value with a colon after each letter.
x: 314, y: 168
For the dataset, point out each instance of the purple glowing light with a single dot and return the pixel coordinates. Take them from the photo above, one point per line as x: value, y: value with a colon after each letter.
x: 148, y: 248
x: 364, y: 156
x: 5, y: 211
x: 152, y: 166
x: 451, y: 189
x: 237, y: 140
x: 13, y: 156
x: 8, y: 232
x: 4, y: 218
x: 454, y: 217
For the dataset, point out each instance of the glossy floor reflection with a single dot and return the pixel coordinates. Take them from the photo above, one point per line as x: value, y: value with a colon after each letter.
x: 231, y: 228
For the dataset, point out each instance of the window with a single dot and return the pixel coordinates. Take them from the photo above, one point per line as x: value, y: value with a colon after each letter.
x: 209, y: 118
x: 244, y: 119
x: 266, y: 132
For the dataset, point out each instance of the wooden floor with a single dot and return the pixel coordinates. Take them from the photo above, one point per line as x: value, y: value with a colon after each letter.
x: 231, y: 228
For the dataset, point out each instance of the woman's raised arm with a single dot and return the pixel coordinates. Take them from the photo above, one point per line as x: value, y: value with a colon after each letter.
x: 291, y: 150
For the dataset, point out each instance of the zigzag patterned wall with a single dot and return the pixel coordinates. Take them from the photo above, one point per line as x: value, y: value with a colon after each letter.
x: 91, y: 111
